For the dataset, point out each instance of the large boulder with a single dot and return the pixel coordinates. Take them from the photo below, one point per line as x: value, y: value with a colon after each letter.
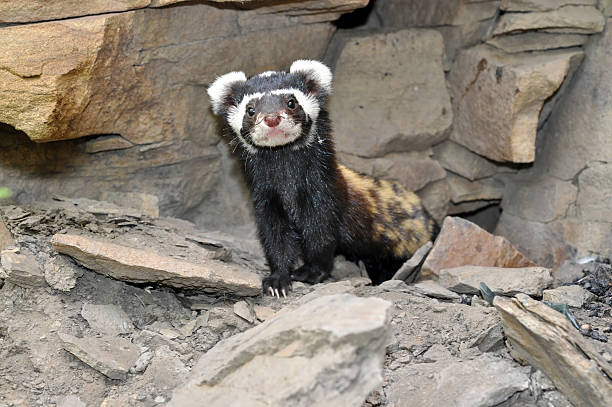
x: 408, y: 109
x: 329, y: 351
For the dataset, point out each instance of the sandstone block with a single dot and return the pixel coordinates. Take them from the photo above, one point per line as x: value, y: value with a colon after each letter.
x: 408, y: 109
x: 504, y: 281
x: 463, y: 190
x: 461, y: 243
x: 139, y: 266
x: 542, y: 5
x: 536, y: 41
x: 458, y: 159
x: 568, y: 19
x: 498, y: 98
x: 337, y: 339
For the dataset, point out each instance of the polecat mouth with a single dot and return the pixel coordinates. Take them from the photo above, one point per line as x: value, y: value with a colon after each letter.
x: 264, y: 136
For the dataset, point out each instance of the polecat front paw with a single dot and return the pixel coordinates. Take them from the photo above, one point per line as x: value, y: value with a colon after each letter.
x: 308, y: 274
x: 277, y: 284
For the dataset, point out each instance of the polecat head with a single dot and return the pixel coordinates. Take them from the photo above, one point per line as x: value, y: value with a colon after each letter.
x: 273, y: 108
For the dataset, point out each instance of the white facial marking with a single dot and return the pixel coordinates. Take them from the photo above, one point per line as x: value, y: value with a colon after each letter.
x: 309, y: 103
x: 267, y: 73
x: 317, y: 71
x: 220, y: 88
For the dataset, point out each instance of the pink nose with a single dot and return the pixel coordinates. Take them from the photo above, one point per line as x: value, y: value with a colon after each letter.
x: 272, y: 120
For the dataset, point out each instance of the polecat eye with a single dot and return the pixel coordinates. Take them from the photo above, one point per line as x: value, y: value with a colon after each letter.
x: 251, y: 111
x: 291, y: 104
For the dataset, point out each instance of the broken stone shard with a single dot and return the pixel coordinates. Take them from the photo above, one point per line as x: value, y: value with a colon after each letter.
x: 107, y: 319
x: 21, y: 269
x: 328, y: 351
x: 111, y: 356
x: 142, y: 266
x: 544, y: 338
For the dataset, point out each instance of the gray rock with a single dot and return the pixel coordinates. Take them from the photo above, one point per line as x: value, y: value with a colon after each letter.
x: 328, y: 351
x: 481, y: 382
x: 111, y: 356
x: 142, y: 362
x: 6, y: 238
x: 542, y: 5
x: 572, y: 295
x: 490, y: 340
x: 432, y: 289
x: 504, y: 281
x: 464, y: 190
x: 344, y: 269
x: 71, y: 401
x: 320, y: 290
x: 436, y: 353
x: 61, y: 273
x: 245, y: 311
x: 405, y: 273
x: 409, y: 108
x: 458, y: 159
x: 536, y: 41
x: 567, y: 272
x: 138, y: 265
x: 107, y: 319
x: 594, y: 201
x: 263, y: 313
x: 21, y: 269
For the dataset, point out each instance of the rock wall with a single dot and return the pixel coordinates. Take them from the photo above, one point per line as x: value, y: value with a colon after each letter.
x: 470, y: 103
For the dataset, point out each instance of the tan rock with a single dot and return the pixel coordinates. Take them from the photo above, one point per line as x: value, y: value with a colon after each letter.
x: 142, y: 266
x: 544, y: 338
x: 21, y: 269
x: 42, y: 10
x: 333, y: 339
x: 572, y: 295
x: 544, y: 201
x: 461, y: 243
x: 501, y: 280
x: 542, y: 5
x: 146, y: 204
x: 408, y: 109
x: 414, y: 169
x: 141, y: 75
x: 458, y: 159
x: 463, y: 190
x: 569, y: 19
x: 498, y: 98
x: 426, y: 13
x: 6, y: 238
x: 436, y: 199
x: 107, y: 143
x: 536, y: 41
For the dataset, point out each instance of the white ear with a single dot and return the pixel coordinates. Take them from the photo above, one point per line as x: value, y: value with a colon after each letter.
x: 316, y: 71
x: 220, y: 88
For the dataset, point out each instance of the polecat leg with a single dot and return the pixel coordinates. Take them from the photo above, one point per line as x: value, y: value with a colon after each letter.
x: 317, y: 266
x: 281, y: 246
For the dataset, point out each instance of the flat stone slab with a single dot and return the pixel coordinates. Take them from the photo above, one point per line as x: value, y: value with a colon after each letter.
x: 111, y: 356
x: 571, y: 19
x: 483, y: 381
x: 21, y: 269
x: 432, y: 289
x: 572, y: 295
x: 504, y: 281
x: 107, y: 319
x: 328, y: 351
x: 147, y: 266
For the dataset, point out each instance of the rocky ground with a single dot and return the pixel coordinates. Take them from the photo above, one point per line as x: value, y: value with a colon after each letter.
x: 107, y: 335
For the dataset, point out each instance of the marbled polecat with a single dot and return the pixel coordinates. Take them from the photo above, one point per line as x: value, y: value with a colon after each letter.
x: 307, y: 204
